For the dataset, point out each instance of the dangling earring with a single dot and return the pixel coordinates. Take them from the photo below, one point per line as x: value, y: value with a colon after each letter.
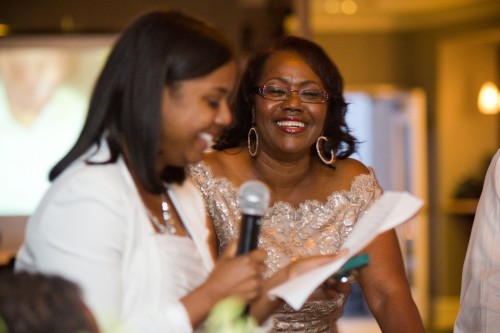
x: 319, y: 150
x: 254, y: 131
x: 249, y: 137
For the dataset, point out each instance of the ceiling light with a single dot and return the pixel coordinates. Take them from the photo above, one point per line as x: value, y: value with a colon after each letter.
x: 349, y: 7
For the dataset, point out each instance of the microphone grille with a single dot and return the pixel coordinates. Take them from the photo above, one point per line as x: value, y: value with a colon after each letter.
x: 254, y: 197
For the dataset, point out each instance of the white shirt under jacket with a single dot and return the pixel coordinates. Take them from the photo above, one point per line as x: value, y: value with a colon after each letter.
x: 92, y: 228
x: 480, y: 294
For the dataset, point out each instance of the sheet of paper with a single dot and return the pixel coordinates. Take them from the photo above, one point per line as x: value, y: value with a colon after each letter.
x: 391, y: 210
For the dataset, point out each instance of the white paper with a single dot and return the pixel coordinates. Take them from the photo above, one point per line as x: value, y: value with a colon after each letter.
x: 391, y: 210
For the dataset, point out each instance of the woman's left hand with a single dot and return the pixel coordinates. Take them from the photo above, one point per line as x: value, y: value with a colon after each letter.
x: 333, y: 286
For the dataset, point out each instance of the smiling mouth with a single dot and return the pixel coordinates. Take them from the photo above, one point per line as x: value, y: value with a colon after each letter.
x: 289, y: 123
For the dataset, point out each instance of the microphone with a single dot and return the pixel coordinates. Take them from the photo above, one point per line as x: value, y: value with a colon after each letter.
x: 254, y: 200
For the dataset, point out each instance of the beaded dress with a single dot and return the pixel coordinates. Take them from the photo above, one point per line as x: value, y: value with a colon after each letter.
x: 288, y: 233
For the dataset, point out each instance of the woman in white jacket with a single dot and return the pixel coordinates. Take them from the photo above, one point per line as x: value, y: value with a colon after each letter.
x: 120, y: 218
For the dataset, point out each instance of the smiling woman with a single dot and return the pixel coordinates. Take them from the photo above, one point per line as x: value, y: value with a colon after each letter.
x: 199, y: 107
x: 299, y: 144
x: 119, y: 218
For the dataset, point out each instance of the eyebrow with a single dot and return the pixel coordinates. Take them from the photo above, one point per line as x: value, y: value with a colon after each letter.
x: 286, y: 81
x: 221, y: 90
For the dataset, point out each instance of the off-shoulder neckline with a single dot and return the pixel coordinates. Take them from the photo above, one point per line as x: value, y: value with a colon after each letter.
x: 356, y: 182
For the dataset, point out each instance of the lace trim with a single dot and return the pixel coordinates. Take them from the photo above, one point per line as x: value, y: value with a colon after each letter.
x: 203, y: 173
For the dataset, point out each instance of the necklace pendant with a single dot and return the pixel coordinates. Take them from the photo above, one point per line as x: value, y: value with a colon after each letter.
x: 167, y: 216
x: 161, y: 227
x: 168, y: 224
x: 171, y: 229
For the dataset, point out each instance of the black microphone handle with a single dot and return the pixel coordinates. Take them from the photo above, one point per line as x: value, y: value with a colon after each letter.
x: 249, y: 237
x: 249, y: 233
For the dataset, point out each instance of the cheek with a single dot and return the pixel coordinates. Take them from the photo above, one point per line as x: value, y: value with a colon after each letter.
x: 171, y: 132
x: 320, y: 114
x: 264, y: 109
x: 181, y: 128
x: 323, y: 118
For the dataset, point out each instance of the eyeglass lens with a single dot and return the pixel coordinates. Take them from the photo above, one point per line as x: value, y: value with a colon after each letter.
x: 282, y: 93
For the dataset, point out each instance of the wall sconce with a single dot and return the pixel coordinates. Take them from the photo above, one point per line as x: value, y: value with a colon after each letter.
x: 488, y: 101
x: 4, y: 29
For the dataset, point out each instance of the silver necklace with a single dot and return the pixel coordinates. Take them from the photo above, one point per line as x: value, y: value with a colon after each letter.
x: 167, y: 225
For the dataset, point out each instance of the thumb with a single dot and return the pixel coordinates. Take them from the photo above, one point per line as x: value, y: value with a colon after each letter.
x: 342, y: 253
x: 230, y: 250
x: 328, y: 258
x: 308, y: 263
x: 332, y: 257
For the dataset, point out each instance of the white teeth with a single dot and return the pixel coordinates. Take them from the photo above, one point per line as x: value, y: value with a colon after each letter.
x: 207, y: 137
x: 290, y: 124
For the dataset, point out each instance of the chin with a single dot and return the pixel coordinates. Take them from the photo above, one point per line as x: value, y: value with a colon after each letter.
x: 194, y: 158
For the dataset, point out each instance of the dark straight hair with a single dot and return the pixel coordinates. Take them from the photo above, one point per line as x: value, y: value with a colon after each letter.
x: 157, y: 50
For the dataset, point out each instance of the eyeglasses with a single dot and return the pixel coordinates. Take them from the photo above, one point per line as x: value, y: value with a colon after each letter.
x: 279, y: 93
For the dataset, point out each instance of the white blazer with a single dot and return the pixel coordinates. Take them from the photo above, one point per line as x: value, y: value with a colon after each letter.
x: 92, y: 228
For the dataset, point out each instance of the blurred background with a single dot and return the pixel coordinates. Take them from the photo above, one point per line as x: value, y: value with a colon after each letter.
x: 413, y: 70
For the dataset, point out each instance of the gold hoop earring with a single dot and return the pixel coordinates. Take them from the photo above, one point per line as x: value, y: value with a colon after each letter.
x: 319, y: 150
x: 249, y: 139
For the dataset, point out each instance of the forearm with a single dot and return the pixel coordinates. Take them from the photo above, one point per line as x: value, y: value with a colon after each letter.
x: 398, y: 313
x: 263, y: 306
x: 199, y: 302
x: 386, y: 287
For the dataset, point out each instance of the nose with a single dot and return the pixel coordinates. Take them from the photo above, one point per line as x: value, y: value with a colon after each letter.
x: 293, y: 102
x: 293, y: 91
x: 224, y: 115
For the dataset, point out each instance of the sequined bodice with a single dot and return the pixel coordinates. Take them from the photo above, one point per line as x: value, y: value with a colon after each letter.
x: 288, y: 233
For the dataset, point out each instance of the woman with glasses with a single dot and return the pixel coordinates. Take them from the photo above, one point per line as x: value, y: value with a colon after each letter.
x: 289, y: 131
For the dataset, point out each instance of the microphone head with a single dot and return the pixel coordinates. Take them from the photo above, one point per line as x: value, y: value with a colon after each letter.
x: 254, y: 197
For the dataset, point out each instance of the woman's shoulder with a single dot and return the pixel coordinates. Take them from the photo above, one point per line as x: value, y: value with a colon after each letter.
x: 94, y: 170
x: 84, y: 199
x: 90, y: 175
x: 350, y: 174
x: 350, y: 168
x: 224, y: 163
x: 105, y: 185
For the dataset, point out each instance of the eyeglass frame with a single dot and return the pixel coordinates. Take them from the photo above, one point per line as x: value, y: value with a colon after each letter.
x: 260, y: 91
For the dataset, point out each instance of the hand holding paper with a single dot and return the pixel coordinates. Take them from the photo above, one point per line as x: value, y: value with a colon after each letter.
x: 391, y: 210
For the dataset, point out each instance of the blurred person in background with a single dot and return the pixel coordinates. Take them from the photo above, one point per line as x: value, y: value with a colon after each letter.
x: 37, y: 303
x: 480, y: 293
x: 41, y: 116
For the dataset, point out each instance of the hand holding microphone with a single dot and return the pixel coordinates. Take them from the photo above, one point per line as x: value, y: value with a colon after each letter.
x: 254, y: 200
x: 234, y: 275
x: 239, y: 276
